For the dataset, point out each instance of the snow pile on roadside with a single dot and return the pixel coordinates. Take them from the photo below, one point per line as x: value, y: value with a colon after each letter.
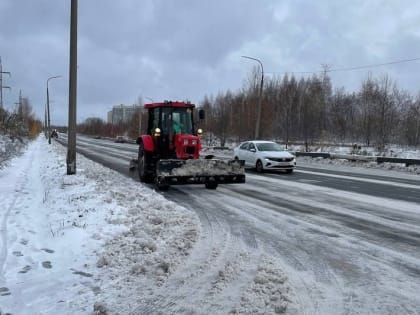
x: 404, y: 152
x: 269, y: 292
x: 157, y: 235
x: 413, y: 169
x: 92, y: 236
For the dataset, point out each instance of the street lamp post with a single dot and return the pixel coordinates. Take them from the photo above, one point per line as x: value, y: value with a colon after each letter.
x: 258, y: 123
x: 48, y: 108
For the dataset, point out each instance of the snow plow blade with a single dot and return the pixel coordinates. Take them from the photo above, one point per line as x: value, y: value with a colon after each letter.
x: 200, y: 171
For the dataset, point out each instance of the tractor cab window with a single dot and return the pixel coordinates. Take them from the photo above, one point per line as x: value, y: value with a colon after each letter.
x: 179, y: 119
x: 153, y: 119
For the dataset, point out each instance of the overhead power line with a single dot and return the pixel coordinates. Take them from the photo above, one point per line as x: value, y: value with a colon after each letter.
x: 352, y: 68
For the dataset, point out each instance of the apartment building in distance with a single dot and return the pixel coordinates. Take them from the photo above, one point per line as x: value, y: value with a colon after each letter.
x: 122, y: 113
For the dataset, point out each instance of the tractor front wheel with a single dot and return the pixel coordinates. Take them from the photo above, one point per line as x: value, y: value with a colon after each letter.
x: 144, y: 160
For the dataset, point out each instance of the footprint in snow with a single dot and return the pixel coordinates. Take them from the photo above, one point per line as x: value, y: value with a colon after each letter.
x: 25, y: 269
x: 4, y: 291
x: 17, y: 253
x: 24, y: 242
x: 81, y: 273
x: 49, y: 251
x: 47, y: 264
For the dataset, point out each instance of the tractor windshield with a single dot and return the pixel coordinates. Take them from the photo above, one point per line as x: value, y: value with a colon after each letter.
x: 179, y: 119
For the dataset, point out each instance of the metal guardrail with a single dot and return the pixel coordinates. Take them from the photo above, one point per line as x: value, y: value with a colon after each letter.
x: 407, y: 162
x: 313, y: 154
x: 221, y: 148
x: 362, y: 158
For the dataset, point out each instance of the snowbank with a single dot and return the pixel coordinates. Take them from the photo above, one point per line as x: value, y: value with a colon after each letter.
x: 93, y: 236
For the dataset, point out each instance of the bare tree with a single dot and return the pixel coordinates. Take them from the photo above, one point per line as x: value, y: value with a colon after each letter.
x: 411, y: 123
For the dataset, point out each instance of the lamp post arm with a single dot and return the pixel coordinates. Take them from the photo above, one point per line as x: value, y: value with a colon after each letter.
x: 259, y: 109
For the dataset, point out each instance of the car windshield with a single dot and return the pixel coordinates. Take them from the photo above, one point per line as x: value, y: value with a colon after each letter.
x: 269, y: 146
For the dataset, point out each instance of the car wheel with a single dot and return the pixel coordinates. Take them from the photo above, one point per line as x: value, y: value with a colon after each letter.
x: 259, y: 166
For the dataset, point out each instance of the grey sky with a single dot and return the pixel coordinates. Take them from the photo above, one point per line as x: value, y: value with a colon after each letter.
x: 186, y: 49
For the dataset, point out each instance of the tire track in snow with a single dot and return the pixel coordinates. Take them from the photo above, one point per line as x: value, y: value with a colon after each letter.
x: 219, y: 266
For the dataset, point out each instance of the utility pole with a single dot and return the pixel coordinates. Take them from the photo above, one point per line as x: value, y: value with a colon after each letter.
x: 259, y: 109
x: 48, y: 109
x: 45, y: 122
x: 1, y: 84
x: 19, y: 104
x: 71, y: 133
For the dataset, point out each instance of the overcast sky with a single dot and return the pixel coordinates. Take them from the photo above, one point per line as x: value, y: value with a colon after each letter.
x: 186, y: 49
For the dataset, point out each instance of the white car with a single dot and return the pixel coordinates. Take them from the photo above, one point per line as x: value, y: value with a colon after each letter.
x: 264, y: 156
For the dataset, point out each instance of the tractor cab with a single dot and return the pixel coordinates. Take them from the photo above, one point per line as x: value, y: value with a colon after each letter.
x: 170, y: 120
x: 171, y: 125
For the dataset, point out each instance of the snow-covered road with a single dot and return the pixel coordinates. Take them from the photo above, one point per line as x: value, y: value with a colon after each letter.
x: 272, y: 245
x: 343, y: 253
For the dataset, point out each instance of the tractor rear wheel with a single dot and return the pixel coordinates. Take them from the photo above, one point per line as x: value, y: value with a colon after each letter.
x: 145, y: 160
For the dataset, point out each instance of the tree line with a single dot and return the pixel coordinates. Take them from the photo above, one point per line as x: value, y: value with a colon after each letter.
x: 20, y: 122
x: 97, y: 127
x: 305, y: 110
x: 309, y: 110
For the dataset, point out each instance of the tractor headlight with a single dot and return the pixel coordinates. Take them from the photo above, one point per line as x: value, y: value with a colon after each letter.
x: 185, y: 141
x: 194, y: 142
x: 156, y: 132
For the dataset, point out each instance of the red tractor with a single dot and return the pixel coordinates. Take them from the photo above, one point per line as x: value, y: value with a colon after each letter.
x: 169, y: 153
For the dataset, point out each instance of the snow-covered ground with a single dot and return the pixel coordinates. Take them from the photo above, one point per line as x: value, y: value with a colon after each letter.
x: 98, y: 242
